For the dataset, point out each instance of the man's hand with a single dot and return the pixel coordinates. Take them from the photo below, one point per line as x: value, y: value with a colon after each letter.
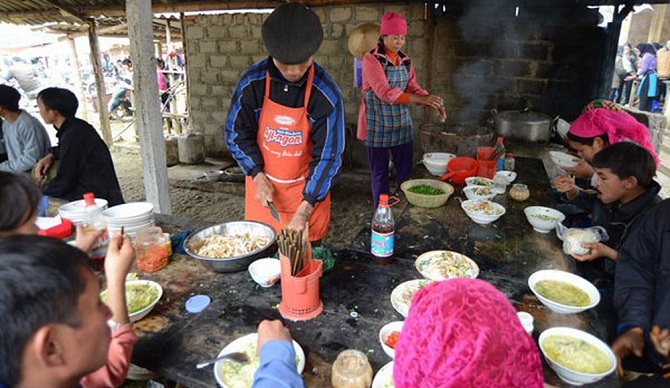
x: 597, y: 250
x: 272, y: 330
x: 566, y: 185
x: 84, y: 239
x: 119, y: 258
x: 301, y: 216
x: 43, y: 165
x: 632, y: 341
x: 264, y: 189
x: 661, y: 340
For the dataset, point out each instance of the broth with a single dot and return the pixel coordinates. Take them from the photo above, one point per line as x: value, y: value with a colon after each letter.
x: 563, y: 293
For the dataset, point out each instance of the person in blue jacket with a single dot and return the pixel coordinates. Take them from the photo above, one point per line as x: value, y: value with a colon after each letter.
x: 277, y: 367
x: 642, y: 296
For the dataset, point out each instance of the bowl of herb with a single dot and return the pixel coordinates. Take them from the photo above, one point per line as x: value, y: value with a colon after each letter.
x: 427, y: 192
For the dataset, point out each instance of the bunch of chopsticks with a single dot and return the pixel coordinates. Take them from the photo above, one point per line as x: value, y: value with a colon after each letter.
x: 498, y: 151
x: 294, y: 244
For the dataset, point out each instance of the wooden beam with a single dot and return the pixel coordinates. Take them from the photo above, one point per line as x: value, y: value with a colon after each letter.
x: 68, y: 10
x: 78, y: 84
x: 103, y: 114
x: 147, y: 103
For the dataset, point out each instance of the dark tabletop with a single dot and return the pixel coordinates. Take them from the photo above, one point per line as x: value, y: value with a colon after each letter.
x: 507, y: 252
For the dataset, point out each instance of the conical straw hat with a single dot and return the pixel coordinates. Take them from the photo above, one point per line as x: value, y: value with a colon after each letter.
x: 363, y: 38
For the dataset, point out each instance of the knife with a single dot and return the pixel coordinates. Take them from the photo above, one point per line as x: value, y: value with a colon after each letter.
x: 274, y: 212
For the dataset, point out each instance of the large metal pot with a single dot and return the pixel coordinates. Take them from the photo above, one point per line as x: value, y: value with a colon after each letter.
x: 523, y: 125
x: 237, y: 263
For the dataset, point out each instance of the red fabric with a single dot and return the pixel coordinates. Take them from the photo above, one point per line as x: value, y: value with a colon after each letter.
x: 393, y: 23
x: 118, y: 360
x: 465, y: 333
x: 618, y: 126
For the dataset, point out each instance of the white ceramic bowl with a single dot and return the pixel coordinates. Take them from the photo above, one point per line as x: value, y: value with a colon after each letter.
x: 384, y: 377
x: 137, y: 315
x: 478, y: 181
x: 214, y: 175
x: 265, y: 272
x: 577, y: 281
x: 132, y: 211
x: 509, y: 176
x: 479, y: 192
x: 571, y: 376
x: 543, y: 219
x: 75, y: 211
x: 562, y: 159
x: 482, y: 211
x: 247, y: 344
x: 526, y: 320
x: 436, y: 162
x: 385, y: 332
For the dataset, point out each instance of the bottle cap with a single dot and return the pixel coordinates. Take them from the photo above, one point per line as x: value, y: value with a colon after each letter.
x: 383, y: 199
x: 89, y: 198
x: 197, y: 303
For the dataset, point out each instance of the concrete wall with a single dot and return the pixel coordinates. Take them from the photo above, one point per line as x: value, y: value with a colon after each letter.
x: 483, y: 57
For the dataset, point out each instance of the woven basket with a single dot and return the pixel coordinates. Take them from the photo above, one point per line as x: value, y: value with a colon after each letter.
x: 424, y: 200
x: 663, y: 64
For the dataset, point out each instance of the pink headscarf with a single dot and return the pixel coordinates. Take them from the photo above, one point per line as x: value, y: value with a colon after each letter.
x: 465, y: 333
x: 393, y: 23
x: 618, y: 126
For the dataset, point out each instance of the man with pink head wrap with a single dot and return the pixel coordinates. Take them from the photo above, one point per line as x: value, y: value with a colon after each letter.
x: 465, y: 333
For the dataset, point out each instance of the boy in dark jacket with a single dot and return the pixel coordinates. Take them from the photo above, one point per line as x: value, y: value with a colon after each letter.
x: 626, y: 191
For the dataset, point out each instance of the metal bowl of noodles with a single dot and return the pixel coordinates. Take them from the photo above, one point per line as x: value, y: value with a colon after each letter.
x: 231, y: 246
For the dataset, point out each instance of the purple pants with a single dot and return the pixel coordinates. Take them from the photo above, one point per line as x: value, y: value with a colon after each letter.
x: 378, y: 158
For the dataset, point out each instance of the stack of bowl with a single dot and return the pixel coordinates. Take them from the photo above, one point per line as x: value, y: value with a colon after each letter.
x: 76, y: 211
x: 436, y: 162
x: 131, y: 216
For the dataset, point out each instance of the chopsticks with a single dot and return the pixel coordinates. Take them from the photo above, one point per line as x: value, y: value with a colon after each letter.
x: 498, y: 151
x: 293, y: 245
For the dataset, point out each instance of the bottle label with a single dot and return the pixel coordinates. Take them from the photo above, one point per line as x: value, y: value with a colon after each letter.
x: 99, y: 248
x: 382, y: 244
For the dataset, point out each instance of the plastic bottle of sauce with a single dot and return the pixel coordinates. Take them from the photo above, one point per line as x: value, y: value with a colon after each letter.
x: 351, y: 369
x: 500, y: 147
x: 94, y: 221
x: 383, y: 229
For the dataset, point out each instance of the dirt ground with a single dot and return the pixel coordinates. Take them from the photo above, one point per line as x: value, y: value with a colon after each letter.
x: 191, y: 198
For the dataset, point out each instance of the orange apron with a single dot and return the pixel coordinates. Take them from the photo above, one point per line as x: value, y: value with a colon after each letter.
x: 283, y: 139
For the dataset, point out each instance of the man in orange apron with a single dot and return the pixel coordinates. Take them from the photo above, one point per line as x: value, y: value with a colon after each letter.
x: 285, y: 126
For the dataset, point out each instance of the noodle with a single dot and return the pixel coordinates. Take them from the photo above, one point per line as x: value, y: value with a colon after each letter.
x: 223, y: 246
x: 563, y: 293
x: 576, y: 354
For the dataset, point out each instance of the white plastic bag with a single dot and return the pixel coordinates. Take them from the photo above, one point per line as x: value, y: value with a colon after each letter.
x: 573, y: 238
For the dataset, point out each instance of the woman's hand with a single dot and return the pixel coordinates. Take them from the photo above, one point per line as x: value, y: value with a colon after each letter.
x: 301, y: 216
x: 434, y: 101
x: 582, y: 170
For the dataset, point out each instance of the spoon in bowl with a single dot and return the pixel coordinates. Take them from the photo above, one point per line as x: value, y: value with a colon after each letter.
x: 237, y: 357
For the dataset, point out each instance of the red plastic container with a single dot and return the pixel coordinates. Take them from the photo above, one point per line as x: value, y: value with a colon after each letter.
x: 460, y: 168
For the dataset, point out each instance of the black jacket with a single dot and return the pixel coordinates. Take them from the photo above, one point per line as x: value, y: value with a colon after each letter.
x: 84, y: 165
x: 642, y: 282
x: 619, y: 220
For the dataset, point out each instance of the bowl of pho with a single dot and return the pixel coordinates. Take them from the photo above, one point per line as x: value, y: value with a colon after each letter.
x: 577, y: 357
x: 563, y: 292
x: 543, y: 219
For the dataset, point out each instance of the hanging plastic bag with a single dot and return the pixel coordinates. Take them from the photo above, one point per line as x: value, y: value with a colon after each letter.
x: 573, y: 238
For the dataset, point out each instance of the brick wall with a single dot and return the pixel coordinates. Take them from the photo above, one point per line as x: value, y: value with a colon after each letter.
x: 483, y: 57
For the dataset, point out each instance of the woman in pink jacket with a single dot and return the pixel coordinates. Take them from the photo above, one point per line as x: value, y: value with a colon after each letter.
x: 384, y: 121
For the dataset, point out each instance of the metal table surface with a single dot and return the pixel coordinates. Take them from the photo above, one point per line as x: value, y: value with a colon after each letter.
x: 507, y: 252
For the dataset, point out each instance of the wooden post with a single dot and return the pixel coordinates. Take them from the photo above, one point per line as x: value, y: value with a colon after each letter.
x: 78, y: 85
x: 611, y: 41
x: 103, y: 114
x: 147, y: 103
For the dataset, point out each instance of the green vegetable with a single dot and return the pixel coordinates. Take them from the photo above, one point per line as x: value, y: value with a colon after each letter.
x: 426, y: 190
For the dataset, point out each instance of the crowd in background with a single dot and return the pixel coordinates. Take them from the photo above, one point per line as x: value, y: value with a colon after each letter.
x: 647, y: 63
